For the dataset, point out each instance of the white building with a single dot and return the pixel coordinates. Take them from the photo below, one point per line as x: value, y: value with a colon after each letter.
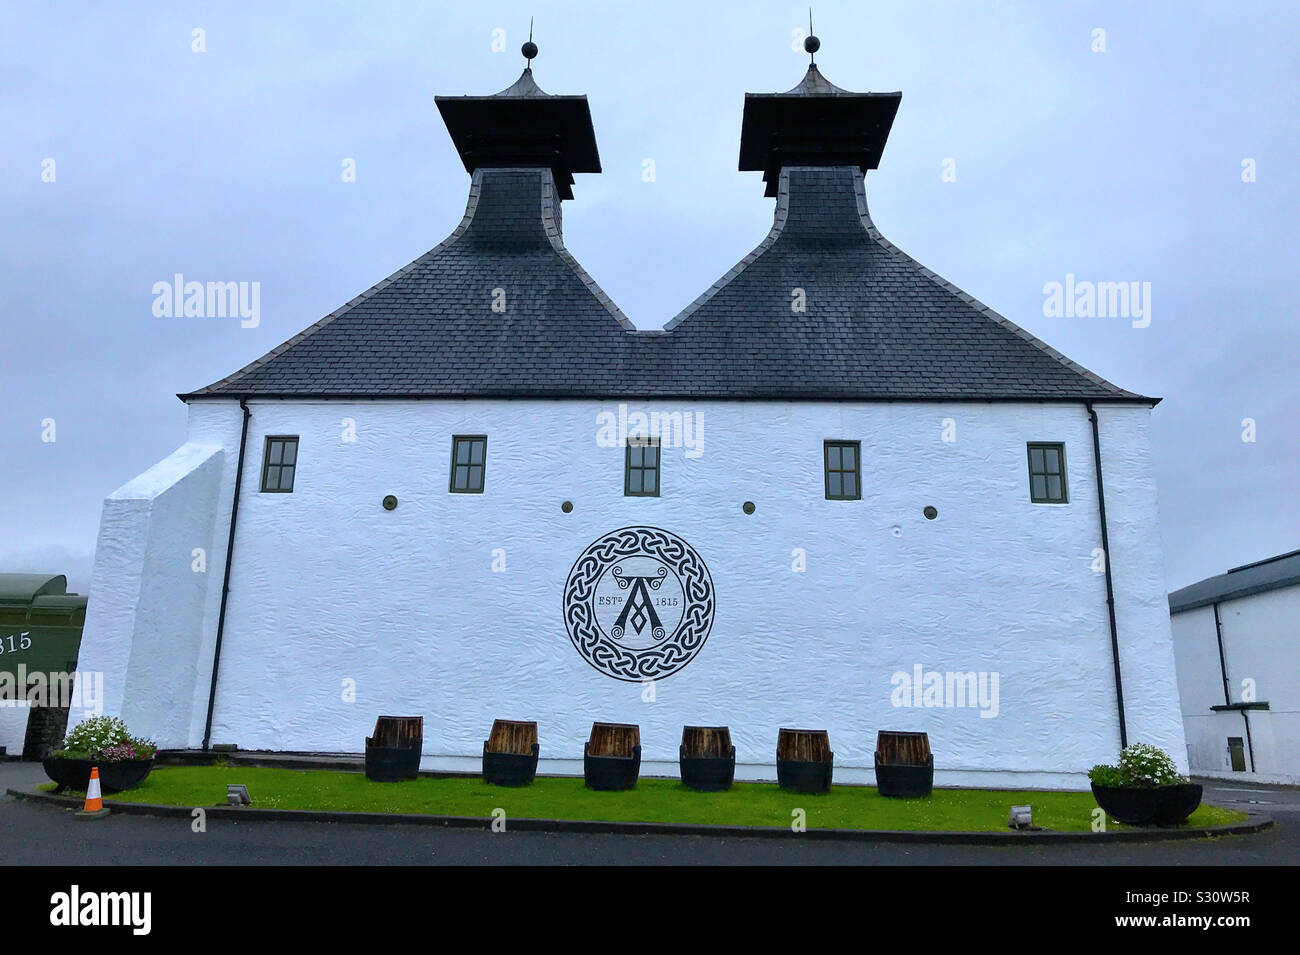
x: 1239, y: 670
x: 858, y: 476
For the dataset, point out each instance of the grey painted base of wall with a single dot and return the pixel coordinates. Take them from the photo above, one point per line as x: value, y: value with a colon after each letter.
x: 766, y: 773
x: 1009, y: 780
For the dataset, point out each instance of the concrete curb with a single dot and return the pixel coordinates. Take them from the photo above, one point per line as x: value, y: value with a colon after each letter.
x: 1257, y: 822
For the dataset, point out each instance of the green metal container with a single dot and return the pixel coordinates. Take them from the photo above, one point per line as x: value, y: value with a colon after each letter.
x: 40, y: 633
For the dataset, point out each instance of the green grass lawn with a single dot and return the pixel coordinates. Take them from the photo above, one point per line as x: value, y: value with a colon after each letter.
x: 653, y: 800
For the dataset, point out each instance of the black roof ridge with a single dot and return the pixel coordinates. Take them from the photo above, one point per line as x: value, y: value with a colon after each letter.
x: 864, y: 215
x: 580, y: 394
x: 553, y: 235
x: 1260, y: 563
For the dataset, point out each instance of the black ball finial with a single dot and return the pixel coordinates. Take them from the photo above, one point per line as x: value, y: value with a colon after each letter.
x: 529, y: 50
x: 811, y: 44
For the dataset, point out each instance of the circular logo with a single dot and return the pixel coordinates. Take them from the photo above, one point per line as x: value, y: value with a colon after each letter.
x: 638, y: 604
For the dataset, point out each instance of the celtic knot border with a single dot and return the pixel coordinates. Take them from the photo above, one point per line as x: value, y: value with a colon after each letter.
x: 681, y: 647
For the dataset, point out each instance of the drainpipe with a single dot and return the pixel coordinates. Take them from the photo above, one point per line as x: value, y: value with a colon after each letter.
x: 1227, y: 698
x: 1110, y: 584
x: 225, y: 582
x: 1223, y: 661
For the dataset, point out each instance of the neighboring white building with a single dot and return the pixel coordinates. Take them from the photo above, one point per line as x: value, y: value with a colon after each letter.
x: 1237, y: 646
x: 862, y: 477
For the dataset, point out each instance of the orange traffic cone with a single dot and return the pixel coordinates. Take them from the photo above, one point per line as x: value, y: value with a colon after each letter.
x: 94, y: 801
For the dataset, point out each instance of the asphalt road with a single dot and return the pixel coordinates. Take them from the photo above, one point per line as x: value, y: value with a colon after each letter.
x: 32, y: 834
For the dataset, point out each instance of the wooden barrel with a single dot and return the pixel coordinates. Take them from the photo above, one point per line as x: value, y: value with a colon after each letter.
x: 804, y: 761
x: 903, y: 749
x: 512, y: 736
x: 904, y: 765
x: 707, y: 758
x: 399, y: 732
x: 614, y: 739
x: 611, y: 758
x: 803, y: 746
x: 510, y: 753
x: 393, y: 752
x: 706, y: 741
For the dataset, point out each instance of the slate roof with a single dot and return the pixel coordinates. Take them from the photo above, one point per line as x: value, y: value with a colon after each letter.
x: 429, y: 329
x: 877, y: 325
x: 1257, y: 578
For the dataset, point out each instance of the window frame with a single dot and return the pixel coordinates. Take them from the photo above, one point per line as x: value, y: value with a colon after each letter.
x: 267, y: 465
x: 451, y: 478
x: 1059, y: 448
x: 1236, y: 753
x: 642, y: 441
x: 856, y: 471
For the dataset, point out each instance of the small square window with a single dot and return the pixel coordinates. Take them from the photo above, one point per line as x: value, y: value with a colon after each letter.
x: 279, y: 463
x: 468, y: 463
x: 843, y: 474
x: 1047, y: 473
x: 641, y: 471
x: 1237, y: 754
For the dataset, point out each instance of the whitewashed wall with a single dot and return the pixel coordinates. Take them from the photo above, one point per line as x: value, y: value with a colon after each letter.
x: 1200, y: 686
x: 146, y: 614
x: 1260, y: 644
x: 329, y: 587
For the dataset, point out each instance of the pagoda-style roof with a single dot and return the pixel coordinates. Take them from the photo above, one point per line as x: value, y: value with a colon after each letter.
x: 523, y: 126
x: 815, y: 124
x: 873, y: 323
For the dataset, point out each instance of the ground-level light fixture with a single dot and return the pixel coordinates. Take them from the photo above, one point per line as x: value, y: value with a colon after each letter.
x: 1022, y: 817
x: 237, y: 795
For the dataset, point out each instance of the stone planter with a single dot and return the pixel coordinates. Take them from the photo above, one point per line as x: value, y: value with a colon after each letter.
x: 114, y: 777
x: 1157, y: 806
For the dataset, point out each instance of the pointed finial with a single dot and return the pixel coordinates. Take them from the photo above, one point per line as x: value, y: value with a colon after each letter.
x: 529, y: 49
x: 811, y: 44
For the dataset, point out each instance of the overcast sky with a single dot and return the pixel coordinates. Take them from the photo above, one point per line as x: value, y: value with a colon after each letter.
x: 225, y: 165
